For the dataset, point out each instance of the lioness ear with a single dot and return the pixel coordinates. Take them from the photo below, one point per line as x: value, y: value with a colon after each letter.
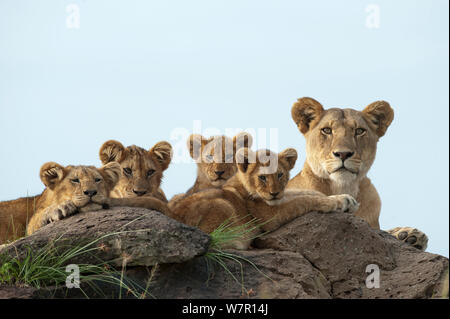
x: 241, y: 140
x: 111, y: 173
x: 111, y: 151
x: 244, y: 157
x: 162, y: 151
x: 194, y: 143
x: 51, y: 174
x: 306, y: 113
x: 379, y: 115
x: 290, y: 156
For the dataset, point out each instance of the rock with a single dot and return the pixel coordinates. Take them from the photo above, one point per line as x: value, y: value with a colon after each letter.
x: 314, y: 256
x: 135, y: 236
x: 342, y: 246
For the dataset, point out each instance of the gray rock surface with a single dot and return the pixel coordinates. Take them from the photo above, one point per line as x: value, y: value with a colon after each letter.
x: 314, y: 256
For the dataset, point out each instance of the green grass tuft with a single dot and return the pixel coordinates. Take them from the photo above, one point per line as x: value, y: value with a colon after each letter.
x: 224, y: 236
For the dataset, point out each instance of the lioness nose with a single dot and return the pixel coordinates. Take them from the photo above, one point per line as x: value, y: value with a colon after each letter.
x: 274, y: 194
x: 343, y: 155
x: 90, y: 193
x: 139, y: 193
x: 219, y: 173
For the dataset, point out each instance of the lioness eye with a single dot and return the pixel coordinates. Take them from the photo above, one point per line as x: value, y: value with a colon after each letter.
x: 98, y: 180
x: 280, y: 175
x: 150, y: 172
x: 75, y: 180
x: 127, y: 170
x: 360, y: 131
x: 262, y: 177
x: 326, y: 130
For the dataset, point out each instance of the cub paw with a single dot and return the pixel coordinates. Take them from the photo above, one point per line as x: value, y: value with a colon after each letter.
x: 55, y: 213
x: 411, y: 236
x: 345, y: 203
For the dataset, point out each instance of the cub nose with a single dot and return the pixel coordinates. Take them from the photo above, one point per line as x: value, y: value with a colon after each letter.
x: 274, y: 194
x: 343, y: 155
x: 90, y: 193
x: 139, y: 193
x: 219, y: 173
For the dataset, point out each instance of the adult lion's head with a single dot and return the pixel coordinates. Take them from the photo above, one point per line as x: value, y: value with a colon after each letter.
x: 142, y: 170
x: 82, y: 185
x: 341, y: 143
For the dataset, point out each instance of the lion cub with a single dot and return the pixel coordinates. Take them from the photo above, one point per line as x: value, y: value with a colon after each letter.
x: 257, y: 190
x: 215, y: 157
x: 142, y: 170
x: 74, y: 189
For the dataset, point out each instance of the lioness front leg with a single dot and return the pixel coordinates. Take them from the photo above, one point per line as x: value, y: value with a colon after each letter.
x: 295, y: 206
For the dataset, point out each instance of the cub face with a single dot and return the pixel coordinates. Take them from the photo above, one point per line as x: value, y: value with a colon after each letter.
x: 341, y: 143
x: 141, y: 170
x: 264, y: 173
x: 80, y: 184
x: 215, y: 156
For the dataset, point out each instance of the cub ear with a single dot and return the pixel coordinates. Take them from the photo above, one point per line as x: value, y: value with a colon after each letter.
x: 379, y: 116
x: 244, y: 157
x: 194, y: 144
x: 112, y: 151
x: 306, y: 113
x: 51, y: 174
x: 289, y: 155
x: 162, y: 151
x: 241, y: 140
x: 111, y: 173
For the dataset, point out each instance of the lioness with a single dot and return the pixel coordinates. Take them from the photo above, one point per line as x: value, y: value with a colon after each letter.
x: 74, y: 189
x: 340, y: 149
x: 215, y: 157
x: 142, y: 170
x: 257, y: 190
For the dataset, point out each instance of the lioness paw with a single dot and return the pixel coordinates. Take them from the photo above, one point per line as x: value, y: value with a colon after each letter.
x: 411, y: 236
x: 55, y: 213
x: 345, y: 203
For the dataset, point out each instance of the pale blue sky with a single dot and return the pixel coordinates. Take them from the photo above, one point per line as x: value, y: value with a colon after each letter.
x: 137, y: 70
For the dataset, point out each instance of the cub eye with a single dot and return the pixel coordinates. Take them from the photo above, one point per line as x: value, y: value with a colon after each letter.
x: 326, y: 130
x: 262, y: 178
x: 127, y: 171
x: 98, y: 180
x: 360, y: 131
x: 150, y: 172
x: 75, y: 180
x: 209, y: 158
x: 280, y: 175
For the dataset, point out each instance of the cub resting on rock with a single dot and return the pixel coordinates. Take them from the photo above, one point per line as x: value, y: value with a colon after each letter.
x: 340, y: 148
x: 257, y: 190
x: 215, y: 157
x: 74, y: 189
x: 142, y: 170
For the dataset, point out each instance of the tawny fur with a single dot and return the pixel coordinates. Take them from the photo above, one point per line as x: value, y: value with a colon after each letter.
x: 256, y: 191
x: 335, y: 131
x: 215, y: 158
x: 142, y: 170
x: 14, y: 216
x: 73, y: 189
